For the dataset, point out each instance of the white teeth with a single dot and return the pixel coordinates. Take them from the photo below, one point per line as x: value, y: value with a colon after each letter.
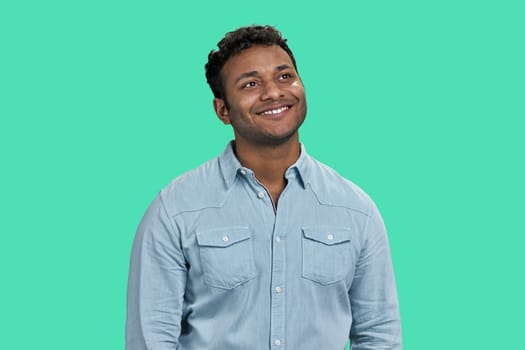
x: 275, y: 111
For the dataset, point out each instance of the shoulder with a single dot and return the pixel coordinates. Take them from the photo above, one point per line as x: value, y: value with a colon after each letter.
x: 332, y: 189
x: 196, y: 189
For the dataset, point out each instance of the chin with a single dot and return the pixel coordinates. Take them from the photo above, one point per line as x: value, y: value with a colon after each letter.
x: 277, y: 140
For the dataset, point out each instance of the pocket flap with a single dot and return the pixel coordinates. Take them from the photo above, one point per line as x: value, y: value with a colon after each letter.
x: 222, y: 237
x: 327, y: 235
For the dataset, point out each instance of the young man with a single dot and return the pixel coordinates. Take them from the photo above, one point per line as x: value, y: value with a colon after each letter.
x: 263, y: 247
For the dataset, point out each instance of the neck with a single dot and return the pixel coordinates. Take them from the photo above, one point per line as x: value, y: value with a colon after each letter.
x: 269, y: 162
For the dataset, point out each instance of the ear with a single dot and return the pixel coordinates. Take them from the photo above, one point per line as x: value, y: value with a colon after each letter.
x: 222, y: 112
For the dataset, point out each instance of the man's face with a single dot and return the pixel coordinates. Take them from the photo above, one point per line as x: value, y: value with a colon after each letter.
x: 265, y: 95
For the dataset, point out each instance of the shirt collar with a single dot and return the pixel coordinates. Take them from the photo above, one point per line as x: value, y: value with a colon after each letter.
x: 230, y: 166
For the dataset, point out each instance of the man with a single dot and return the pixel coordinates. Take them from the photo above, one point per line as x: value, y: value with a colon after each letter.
x: 263, y: 247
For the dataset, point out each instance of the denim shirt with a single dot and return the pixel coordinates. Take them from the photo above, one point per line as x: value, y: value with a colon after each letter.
x: 215, y: 266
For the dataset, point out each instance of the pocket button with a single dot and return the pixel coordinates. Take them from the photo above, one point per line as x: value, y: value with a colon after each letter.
x: 326, y: 253
x: 227, y: 256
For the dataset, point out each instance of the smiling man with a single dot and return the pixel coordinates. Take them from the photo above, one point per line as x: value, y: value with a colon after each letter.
x: 263, y: 247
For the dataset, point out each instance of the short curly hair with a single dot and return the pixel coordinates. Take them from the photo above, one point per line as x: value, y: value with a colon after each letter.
x: 233, y: 43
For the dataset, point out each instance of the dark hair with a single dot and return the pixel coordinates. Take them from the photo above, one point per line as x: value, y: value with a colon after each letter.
x: 232, y: 44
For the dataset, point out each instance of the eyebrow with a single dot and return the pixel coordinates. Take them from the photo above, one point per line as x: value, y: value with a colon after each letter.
x: 246, y: 75
x: 282, y: 67
x: 254, y: 72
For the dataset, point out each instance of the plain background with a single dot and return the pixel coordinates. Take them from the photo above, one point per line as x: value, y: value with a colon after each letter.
x: 421, y: 103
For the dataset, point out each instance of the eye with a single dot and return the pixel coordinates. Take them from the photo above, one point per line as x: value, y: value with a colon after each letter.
x: 285, y: 76
x: 249, y: 84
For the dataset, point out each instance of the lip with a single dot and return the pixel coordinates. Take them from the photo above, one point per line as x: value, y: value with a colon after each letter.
x: 275, y: 111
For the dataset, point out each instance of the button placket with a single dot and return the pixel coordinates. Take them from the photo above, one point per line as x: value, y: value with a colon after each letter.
x: 278, y: 283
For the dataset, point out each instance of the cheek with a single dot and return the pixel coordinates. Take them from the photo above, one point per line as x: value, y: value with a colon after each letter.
x: 297, y: 89
x: 237, y: 102
x: 248, y: 103
x: 241, y: 112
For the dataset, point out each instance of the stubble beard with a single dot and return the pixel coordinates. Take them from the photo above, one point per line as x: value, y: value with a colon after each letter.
x: 267, y: 139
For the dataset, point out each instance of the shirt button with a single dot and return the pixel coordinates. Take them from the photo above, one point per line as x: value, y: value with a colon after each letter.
x: 278, y: 289
x: 330, y: 237
x: 277, y: 342
x: 243, y: 171
x: 225, y: 238
x: 260, y: 194
x: 277, y: 239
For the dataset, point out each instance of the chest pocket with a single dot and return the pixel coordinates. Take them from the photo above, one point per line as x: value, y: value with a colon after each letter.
x: 227, y: 256
x: 326, y: 253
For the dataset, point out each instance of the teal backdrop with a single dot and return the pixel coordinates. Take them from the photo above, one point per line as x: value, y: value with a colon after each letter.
x: 421, y: 103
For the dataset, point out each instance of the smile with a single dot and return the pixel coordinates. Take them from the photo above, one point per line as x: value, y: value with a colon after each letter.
x: 275, y: 111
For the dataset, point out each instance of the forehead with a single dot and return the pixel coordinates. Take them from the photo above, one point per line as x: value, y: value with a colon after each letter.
x: 261, y: 59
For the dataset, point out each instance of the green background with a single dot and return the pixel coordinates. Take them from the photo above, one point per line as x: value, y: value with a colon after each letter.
x: 421, y: 103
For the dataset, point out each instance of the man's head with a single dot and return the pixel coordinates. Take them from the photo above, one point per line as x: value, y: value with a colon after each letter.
x: 257, y: 88
x: 235, y: 42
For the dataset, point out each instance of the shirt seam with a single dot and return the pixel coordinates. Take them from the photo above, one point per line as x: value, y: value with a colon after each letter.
x: 367, y: 214
x: 196, y: 210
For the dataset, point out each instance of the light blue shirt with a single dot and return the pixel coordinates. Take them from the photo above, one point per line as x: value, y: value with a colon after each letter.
x: 214, y: 266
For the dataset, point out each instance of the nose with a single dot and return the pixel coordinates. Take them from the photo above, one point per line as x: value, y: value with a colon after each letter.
x: 271, y: 91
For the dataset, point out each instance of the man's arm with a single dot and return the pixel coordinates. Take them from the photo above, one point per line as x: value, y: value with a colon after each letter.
x: 156, y: 284
x: 373, y: 295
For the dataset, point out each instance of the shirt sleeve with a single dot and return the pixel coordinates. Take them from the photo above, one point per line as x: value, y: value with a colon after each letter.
x: 156, y: 283
x: 373, y: 295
